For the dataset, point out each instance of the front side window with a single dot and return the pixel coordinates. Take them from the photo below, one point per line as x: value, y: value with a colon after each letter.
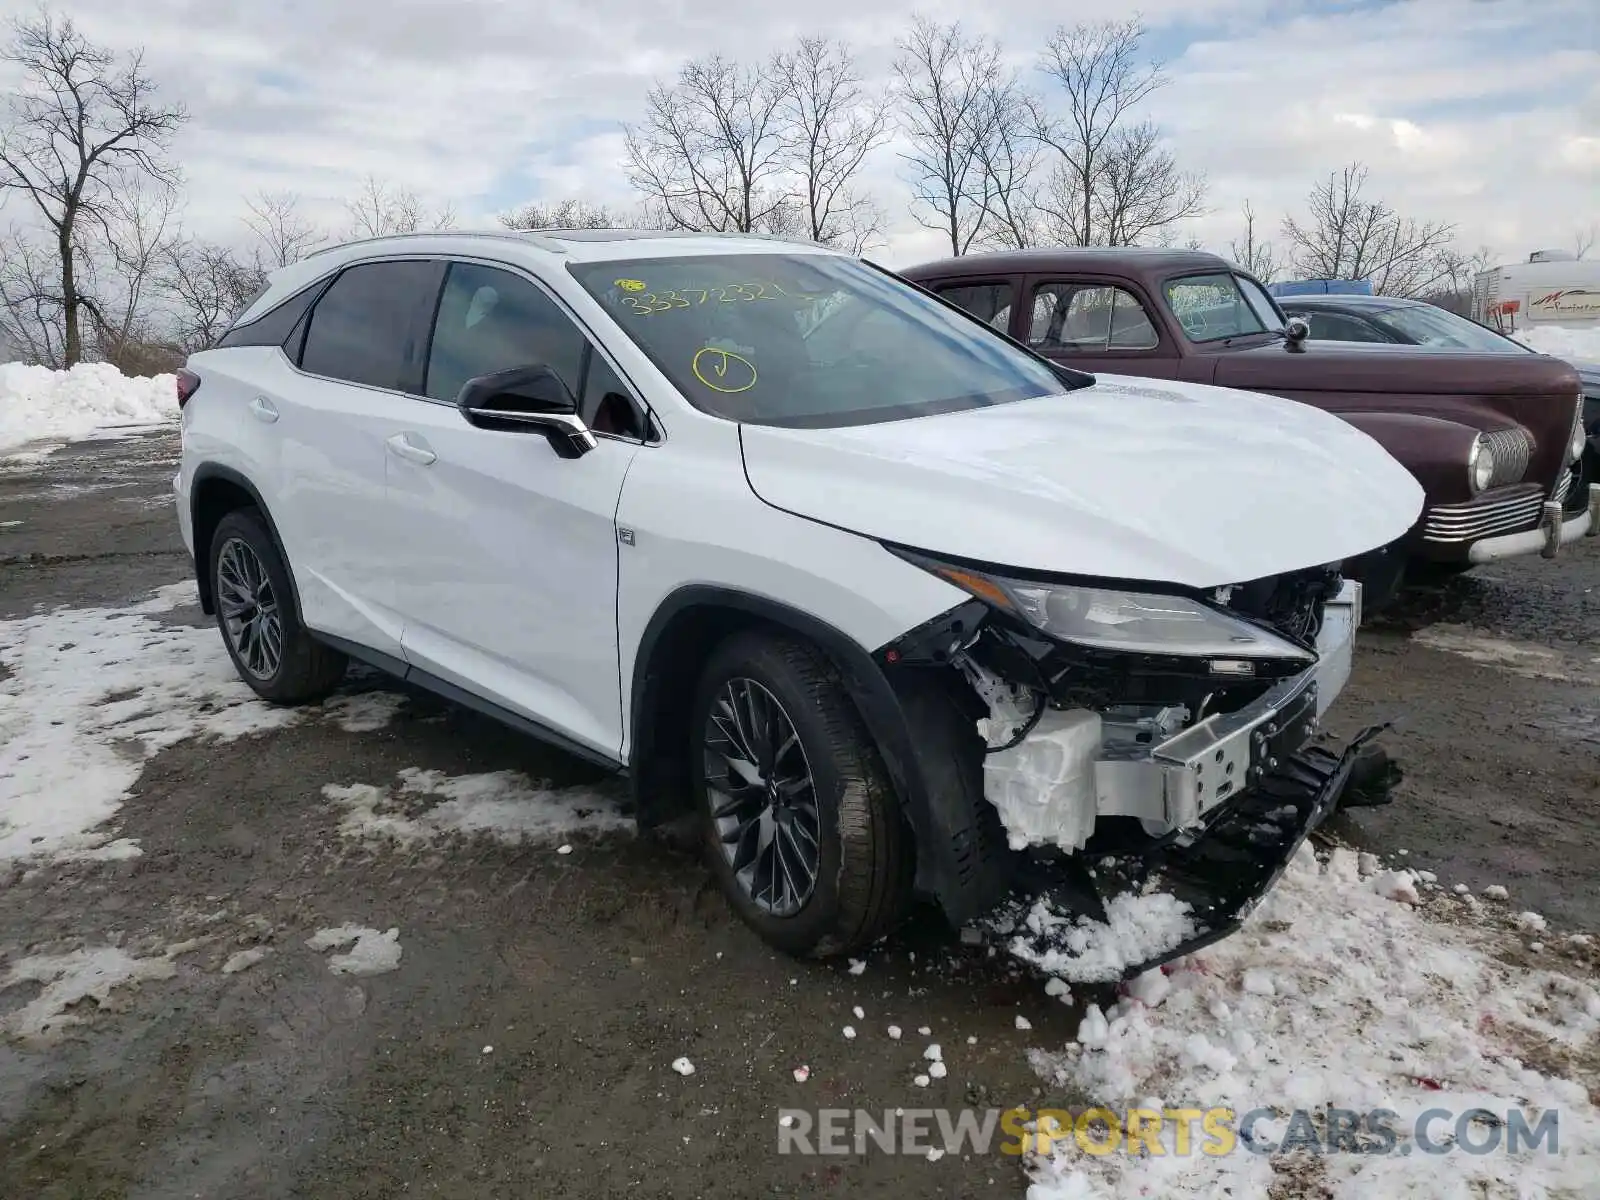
x: 491, y: 320
x: 1089, y: 318
x: 369, y: 326
x: 809, y: 340
x: 1218, y: 304
x: 1335, y: 327
x: 989, y: 302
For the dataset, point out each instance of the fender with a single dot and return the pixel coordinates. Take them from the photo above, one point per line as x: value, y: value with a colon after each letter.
x: 208, y: 472
x: 1434, y: 449
x: 663, y: 671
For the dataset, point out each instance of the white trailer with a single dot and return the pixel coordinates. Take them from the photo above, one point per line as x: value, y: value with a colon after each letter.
x: 1551, y: 288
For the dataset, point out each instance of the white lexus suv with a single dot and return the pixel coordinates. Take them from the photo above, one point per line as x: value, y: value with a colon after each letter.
x: 894, y: 606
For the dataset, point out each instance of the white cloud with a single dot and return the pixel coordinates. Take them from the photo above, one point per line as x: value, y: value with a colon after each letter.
x: 1481, y: 112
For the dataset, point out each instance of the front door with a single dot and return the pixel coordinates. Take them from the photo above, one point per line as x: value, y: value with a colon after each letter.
x: 508, y: 586
x: 1096, y: 325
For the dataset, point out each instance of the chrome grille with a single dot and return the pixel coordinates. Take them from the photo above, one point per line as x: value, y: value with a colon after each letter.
x: 1563, y: 485
x: 1512, y: 449
x: 1511, y: 510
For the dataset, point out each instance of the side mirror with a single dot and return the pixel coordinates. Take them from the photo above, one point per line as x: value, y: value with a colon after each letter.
x: 1295, y: 333
x: 531, y: 397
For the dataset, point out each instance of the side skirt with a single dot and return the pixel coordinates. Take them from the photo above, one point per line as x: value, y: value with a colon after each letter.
x: 443, y: 688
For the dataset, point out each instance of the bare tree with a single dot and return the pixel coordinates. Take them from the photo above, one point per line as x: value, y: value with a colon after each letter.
x: 206, y: 284
x: 282, y: 232
x: 709, y: 151
x: 831, y: 125
x: 1583, y: 240
x: 1349, y: 237
x: 563, y: 214
x: 1111, y: 181
x: 81, y: 127
x: 1008, y: 155
x: 379, y: 210
x: 30, y: 297
x: 951, y: 90
x: 140, y: 230
x: 1253, y: 254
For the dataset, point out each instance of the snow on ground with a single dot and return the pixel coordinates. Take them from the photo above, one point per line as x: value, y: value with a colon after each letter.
x: 372, y: 953
x: 1519, y: 658
x: 69, y: 979
x: 1334, y: 995
x: 1582, y: 345
x: 86, y: 695
x: 503, y: 804
x: 36, y: 402
x: 1081, y: 950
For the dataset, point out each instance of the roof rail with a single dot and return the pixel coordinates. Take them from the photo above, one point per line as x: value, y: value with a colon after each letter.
x: 498, y: 234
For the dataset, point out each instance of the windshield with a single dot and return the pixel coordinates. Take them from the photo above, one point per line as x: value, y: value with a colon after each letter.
x: 1429, y: 326
x: 809, y: 340
x: 1219, y: 305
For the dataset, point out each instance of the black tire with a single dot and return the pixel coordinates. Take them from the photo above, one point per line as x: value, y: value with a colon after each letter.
x: 862, y: 882
x: 304, y: 669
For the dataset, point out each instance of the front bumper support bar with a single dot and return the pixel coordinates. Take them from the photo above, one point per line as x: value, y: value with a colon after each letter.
x: 1225, y: 872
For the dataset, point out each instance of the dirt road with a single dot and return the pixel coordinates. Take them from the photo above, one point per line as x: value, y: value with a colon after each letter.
x: 523, y: 1045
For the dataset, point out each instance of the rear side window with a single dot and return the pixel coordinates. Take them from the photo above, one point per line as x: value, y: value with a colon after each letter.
x: 371, y: 325
x: 271, y: 328
x: 989, y: 302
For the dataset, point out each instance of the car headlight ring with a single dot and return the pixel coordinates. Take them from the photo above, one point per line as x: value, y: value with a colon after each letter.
x: 1480, y: 465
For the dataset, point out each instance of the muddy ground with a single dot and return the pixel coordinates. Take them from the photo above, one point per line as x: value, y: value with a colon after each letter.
x: 588, y: 973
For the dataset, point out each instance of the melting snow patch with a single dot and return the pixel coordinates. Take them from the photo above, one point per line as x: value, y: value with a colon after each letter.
x: 1371, y: 1006
x: 363, y: 712
x: 503, y: 804
x: 69, y: 980
x: 243, y: 960
x: 373, y: 953
x: 1518, y: 658
x: 683, y: 1066
x: 1081, y: 950
x: 91, y: 693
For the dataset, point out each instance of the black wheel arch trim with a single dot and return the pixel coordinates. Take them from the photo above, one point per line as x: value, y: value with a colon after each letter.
x: 658, y: 778
x: 205, y: 473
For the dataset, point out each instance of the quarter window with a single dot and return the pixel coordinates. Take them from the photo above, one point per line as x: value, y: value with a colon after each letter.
x: 368, y: 327
x: 1089, y: 318
x: 989, y: 302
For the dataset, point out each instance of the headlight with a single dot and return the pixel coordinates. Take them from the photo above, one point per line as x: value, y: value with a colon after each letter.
x: 1480, y: 464
x: 1108, y: 619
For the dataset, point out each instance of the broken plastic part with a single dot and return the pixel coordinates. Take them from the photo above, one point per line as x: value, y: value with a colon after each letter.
x: 1044, y: 787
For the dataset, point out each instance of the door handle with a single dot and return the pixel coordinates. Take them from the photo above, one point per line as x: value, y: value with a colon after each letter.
x: 404, y: 446
x: 262, y: 410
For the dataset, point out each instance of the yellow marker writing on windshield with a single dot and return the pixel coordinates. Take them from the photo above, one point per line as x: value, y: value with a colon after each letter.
x: 723, y: 370
x: 630, y: 285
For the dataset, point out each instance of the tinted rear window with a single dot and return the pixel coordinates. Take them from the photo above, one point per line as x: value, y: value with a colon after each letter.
x: 369, y: 325
x: 272, y: 326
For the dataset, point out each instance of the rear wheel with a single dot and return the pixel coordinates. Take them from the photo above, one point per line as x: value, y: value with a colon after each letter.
x: 801, y: 825
x: 260, y: 626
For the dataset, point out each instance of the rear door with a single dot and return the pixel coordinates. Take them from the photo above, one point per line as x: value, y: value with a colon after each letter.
x: 1096, y: 324
x: 509, y: 585
x: 359, y: 353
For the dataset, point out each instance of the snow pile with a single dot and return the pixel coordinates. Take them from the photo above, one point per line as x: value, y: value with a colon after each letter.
x: 1582, y: 345
x: 1081, y: 950
x: 503, y: 804
x: 372, y: 953
x: 36, y: 402
x: 1333, y: 995
x: 90, y: 693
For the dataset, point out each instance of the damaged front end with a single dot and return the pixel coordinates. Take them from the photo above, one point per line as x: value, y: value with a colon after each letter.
x: 1152, y: 740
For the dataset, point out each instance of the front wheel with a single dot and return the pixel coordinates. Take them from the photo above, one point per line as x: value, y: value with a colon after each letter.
x: 271, y: 650
x: 801, y: 825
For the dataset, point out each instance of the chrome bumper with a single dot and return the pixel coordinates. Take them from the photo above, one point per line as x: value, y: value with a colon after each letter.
x: 1181, y: 779
x: 1552, y: 533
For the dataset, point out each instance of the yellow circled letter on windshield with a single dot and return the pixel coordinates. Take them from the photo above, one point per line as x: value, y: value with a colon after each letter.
x: 723, y: 370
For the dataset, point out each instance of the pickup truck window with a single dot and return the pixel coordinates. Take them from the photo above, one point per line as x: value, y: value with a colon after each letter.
x: 1089, y: 318
x: 1218, y: 305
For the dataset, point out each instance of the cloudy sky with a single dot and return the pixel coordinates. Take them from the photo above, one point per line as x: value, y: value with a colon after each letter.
x: 1481, y: 112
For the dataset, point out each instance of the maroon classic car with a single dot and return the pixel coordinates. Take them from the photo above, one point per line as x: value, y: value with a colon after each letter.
x: 1492, y: 438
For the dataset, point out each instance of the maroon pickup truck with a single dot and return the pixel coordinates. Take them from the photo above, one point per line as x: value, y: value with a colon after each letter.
x: 1494, y: 439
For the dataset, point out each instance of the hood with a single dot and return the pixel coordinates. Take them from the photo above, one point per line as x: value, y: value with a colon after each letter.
x: 1128, y: 479
x: 1396, y: 370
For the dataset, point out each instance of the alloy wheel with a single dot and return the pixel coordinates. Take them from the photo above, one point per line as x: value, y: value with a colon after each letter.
x: 250, y: 611
x: 762, y: 796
